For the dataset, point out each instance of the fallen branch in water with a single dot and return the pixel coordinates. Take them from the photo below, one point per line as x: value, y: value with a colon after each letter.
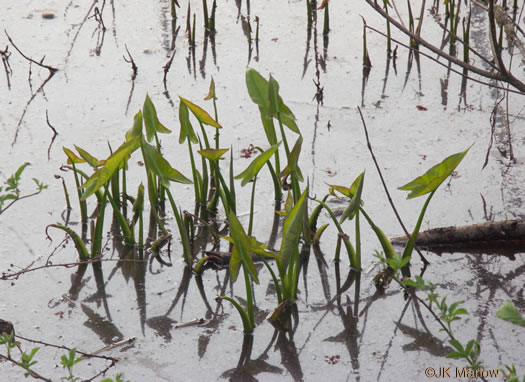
x: 476, y: 236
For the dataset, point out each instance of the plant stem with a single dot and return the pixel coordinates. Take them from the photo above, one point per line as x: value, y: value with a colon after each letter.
x: 252, y: 200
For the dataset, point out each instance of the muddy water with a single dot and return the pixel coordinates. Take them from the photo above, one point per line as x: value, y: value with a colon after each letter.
x: 414, y: 119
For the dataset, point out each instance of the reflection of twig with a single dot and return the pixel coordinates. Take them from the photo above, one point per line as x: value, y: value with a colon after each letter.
x: 55, y: 133
x: 52, y: 72
x: 41, y: 63
x: 167, y: 67
x: 7, y: 68
x: 492, y: 129
x: 409, y: 237
x: 132, y: 62
x: 446, y: 65
x: 501, y: 75
x: 133, y: 75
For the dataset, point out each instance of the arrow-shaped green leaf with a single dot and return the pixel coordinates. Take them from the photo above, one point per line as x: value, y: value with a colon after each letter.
x: 201, y: 114
x: 433, y: 178
x: 161, y: 167
x: 355, y: 203
x: 255, y: 166
x: 151, y: 121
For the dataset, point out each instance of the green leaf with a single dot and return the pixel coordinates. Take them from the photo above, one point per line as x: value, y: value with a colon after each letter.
x: 212, y: 154
x: 293, y: 226
x: 277, y: 108
x: 257, y: 88
x: 433, y: 178
x: 396, y: 262
x: 292, y: 166
x: 72, y: 157
x: 151, y: 120
x: 186, y: 129
x: 136, y: 129
x: 243, y: 246
x: 156, y: 163
x: 255, y: 166
x: 90, y: 159
x: 355, y: 203
x: 455, y: 354
x: 201, y: 114
x: 112, y: 164
x: 510, y: 313
x: 383, y: 239
x: 457, y: 345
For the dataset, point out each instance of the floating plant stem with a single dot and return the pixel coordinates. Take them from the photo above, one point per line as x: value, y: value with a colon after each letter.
x: 96, y: 245
x: 349, y: 248
x: 82, y: 203
x: 124, y: 192
x: 115, y: 188
x: 127, y: 233
x: 83, y: 253
x: 256, y: 28
x: 252, y: 202
x: 66, y: 195
x: 186, y: 246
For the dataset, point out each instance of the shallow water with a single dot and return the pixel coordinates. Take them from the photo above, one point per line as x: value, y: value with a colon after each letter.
x: 91, y: 101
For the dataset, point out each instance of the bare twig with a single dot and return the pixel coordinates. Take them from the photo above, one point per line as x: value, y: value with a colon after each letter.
x: 409, y: 237
x: 55, y: 133
x: 41, y: 63
x: 52, y: 71
x: 167, y: 67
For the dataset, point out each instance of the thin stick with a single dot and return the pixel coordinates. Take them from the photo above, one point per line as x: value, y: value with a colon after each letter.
x: 409, y: 237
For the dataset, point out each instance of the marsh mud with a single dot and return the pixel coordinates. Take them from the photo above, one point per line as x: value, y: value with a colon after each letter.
x: 109, y: 54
